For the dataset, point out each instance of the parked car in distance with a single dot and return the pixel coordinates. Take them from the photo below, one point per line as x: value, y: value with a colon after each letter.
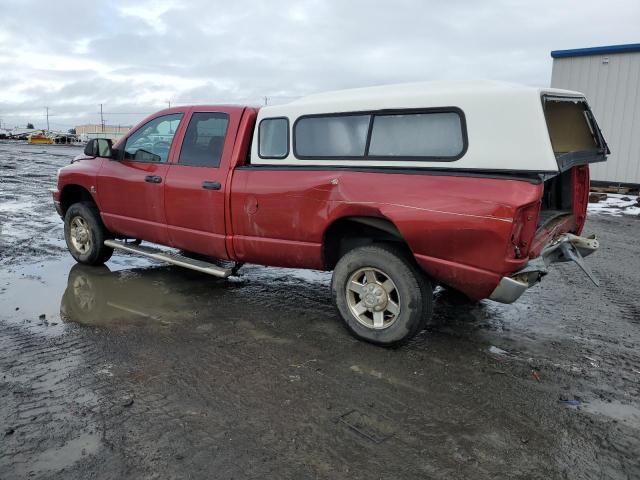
x: 474, y: 186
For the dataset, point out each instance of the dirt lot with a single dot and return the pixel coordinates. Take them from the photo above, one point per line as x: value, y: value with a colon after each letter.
x: 139, y: 370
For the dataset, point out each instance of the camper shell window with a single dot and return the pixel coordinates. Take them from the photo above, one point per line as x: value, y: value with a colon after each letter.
x: 574, y: 134
x: 273, y: 137
x: 437, y: 134
x: 331, y: 136
x: 416, y: 135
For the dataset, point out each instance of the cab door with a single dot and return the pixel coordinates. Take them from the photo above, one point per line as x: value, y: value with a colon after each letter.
x: 131, y: 187
x: 197, y: 180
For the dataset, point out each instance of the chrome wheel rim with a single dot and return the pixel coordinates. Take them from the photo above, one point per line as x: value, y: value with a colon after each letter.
x: 373, y: 298
x: 80, y: 235
x: 83, y: 293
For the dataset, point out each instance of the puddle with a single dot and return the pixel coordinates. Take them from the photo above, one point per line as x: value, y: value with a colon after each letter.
x: 56, y: 459
x: 64, y: 291
x: 130, y: 291
x: 627, y: 414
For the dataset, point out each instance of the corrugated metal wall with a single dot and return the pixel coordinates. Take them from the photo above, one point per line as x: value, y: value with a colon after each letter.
x: 612, y: 91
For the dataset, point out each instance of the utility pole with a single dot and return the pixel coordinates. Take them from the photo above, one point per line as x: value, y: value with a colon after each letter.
x: 101, y: 119
x: 169, y: 103
x: 266, y: 100
x: 47, y: 109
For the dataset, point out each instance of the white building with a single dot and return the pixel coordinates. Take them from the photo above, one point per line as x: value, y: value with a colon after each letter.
x: 610, y: 78
x: 92, y: 130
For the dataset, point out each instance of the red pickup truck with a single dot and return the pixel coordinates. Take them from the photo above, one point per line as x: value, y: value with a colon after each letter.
x: 473, y: 186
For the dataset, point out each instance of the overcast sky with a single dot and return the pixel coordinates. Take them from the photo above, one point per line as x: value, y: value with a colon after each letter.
x: 135, y: 56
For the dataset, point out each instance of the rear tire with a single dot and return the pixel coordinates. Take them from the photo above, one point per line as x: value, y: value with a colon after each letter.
x: 85, y: 234
x: 381, y: 294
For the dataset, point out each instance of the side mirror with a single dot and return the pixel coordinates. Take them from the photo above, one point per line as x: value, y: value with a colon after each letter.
x: 99, y: 147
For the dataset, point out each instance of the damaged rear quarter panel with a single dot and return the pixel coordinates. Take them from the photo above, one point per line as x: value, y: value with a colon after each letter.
x: 458, y: 227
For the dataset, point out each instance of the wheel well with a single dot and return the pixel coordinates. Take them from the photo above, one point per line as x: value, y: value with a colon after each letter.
x: 72, y: 194
x: 348, y: 233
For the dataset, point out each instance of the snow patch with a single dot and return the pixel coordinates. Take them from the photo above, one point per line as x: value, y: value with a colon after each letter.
x: 614, y: 205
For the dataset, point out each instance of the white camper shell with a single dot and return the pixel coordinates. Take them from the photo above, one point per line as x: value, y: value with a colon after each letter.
x: 471, y: 126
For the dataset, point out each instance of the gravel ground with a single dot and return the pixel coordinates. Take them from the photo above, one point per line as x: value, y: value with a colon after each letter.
x: 139, y: 370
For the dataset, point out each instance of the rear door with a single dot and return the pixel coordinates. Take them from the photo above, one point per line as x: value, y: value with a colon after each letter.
x: 131, y: 187
x: 197, y: 181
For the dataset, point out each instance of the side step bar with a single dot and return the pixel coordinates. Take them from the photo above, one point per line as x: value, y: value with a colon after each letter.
x: 173, y: 258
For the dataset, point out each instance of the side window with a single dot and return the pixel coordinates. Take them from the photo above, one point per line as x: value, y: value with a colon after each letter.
x: 273, y: 138
x: 417, y: 135
x: 152, y: 141
x: 331, y: 136
x: 203, y: 142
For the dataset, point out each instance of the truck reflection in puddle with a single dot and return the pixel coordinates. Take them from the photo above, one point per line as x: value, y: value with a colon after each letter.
x: 98, y: 296
x: 263, y: 303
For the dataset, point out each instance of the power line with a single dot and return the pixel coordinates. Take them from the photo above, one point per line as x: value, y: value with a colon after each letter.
x: 128, y: 113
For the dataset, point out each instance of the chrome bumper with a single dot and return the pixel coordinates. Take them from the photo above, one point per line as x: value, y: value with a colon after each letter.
x: 566, y: 248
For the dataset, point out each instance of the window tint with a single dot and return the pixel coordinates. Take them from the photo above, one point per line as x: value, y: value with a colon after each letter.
x: 417, y: 135
x: 331, y: 136
x: 273, y: 136
x: 152, y: 141
x: 203, y: 142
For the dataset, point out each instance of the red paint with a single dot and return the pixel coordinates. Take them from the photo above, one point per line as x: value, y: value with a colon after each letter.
x: 462, y: 230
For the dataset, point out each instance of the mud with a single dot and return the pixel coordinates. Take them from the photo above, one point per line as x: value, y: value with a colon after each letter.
x: 140, y: 370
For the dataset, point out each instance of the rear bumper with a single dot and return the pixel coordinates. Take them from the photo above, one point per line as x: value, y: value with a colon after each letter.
x: 566, y: 248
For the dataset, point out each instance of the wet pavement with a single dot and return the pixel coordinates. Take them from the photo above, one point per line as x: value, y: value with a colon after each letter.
x: 140, y: 370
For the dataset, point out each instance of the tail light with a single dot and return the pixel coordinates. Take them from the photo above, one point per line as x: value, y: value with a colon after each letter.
x: 525, y: 222
x: 580, y: 195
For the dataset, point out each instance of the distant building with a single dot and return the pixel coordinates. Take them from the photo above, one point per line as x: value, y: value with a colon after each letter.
x: 610, y: 78
x: 89, y: 131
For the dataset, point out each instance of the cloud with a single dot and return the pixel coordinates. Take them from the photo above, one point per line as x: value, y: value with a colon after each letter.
x: 134, y: 58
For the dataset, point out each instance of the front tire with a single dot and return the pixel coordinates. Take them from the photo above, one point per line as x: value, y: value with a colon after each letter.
x: 85, y: 234
x: 381, y: 294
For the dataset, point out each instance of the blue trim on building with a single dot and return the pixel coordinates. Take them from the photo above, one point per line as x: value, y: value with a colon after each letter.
x: 583, y: 52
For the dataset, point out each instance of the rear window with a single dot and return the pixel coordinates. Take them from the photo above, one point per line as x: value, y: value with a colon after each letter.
x: 437, y: 134
x: 571, y: 128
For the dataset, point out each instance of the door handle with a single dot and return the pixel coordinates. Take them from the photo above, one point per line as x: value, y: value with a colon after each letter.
x: 153, y: 179
x: 209, y: 185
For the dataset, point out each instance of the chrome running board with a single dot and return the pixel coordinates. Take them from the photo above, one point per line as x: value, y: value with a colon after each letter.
x: 172, y: 258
